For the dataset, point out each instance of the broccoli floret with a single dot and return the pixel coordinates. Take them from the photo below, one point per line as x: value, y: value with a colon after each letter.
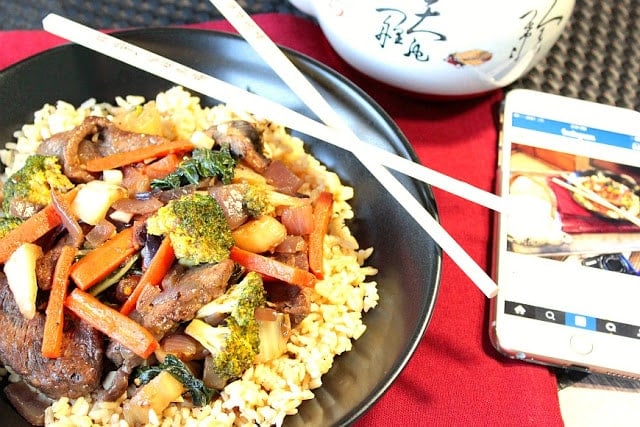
x: 7, y: 224
x: 255, y: 200
x: 239, y: 301
x: 197, y: 227
x: 235, y: 344
x: 261, y: 200
x: 232, y: 347
x: 203, y: 163
x: 34, y: 182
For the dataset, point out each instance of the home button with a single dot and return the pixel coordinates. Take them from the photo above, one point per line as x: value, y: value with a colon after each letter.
x: 581, y: 344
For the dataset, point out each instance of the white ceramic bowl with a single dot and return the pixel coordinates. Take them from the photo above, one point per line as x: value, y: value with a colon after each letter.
x: 441, y: 48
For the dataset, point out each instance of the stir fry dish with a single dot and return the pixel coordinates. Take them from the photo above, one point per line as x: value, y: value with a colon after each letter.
x: 616, y: 192
x: 166, y: 263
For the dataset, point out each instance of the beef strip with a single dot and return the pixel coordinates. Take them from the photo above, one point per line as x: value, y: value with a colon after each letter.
x: 72, y: 147
x: 119, y: 382
x: 94, y: 137
x: 289, y: 299
x: 22, y: 208
x: 29, y: 403
x: 115, y: 140
x: 244, y: 141
x: 75, y: 373
x: 231, y: 199
x: 163, y: 310
x: 297, y: 259
x: 126, y: 361
x: 45, y: 265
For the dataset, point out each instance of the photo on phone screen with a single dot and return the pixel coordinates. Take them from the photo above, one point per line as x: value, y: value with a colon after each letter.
x: 574, y: 208
x: 567, y: 252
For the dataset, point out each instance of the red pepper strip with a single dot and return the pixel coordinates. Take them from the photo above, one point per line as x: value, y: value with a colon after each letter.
x: 153, y: 275
x: 322, y: 210
x: 110, y: 322
x: 272, y: 268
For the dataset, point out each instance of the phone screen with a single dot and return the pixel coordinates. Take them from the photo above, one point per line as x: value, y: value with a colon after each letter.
x: 568, y: 249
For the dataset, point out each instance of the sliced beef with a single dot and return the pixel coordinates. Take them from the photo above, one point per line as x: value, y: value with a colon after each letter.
x: 115, y: 140
x: 230, y: 198
x: 23, y: 208
x: 29, y: 403
x: 289, y: 299
x: 161, y: 311
x: 122, y: 356
x: 46, y: 264
x: 94, y: 137
x: 298, y: 259
x: 73, y: 148
x: 117, y: 381
x: 75, y: 373
x: 117, y: 384
x: 244, y: 141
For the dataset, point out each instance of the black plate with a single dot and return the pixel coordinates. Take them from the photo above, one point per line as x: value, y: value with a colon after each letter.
x: 409, y: 261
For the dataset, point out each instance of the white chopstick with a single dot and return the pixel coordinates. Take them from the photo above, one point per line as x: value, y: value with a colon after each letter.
x: 243, y: 100
x: 301, y: 86
x: 590, y: 195
x: 259, y: 106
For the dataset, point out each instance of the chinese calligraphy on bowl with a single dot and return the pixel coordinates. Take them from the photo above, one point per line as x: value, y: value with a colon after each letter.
x: 441, y: 47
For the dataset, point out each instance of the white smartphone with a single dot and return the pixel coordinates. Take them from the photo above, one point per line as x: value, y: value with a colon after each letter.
x: 567, y: 249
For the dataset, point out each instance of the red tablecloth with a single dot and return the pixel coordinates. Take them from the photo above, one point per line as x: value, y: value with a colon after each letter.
x: 455, y: 376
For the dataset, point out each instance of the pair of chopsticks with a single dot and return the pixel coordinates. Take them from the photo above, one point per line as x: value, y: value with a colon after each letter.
x: 335, y: 131
x: 592, y: 196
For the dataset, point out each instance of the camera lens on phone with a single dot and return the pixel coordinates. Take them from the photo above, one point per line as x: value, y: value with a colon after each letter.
x: 610, y: 262
x: 614, y: 263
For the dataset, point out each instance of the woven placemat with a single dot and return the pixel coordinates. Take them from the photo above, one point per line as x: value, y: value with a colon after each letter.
x: 597, y: 58
x: 125, y: 13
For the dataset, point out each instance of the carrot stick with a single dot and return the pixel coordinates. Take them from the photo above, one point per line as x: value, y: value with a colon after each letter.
x: 102, y: 261
x: 153, y: 275
x: 54, y: 320
x: 33, y: 228
x: 272, y: 268
x: 138, y: 155
x: 162, y: 167
x: 322, y: 211
x: 110, y: 322
x: 29, y: 231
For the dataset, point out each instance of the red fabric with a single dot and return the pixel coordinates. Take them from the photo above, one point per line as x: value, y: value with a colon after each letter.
x: 577, y: 219
x: 455, y: 376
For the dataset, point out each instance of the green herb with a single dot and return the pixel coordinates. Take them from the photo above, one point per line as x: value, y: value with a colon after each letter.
x: 203, y: 163
x: 200, y: 393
